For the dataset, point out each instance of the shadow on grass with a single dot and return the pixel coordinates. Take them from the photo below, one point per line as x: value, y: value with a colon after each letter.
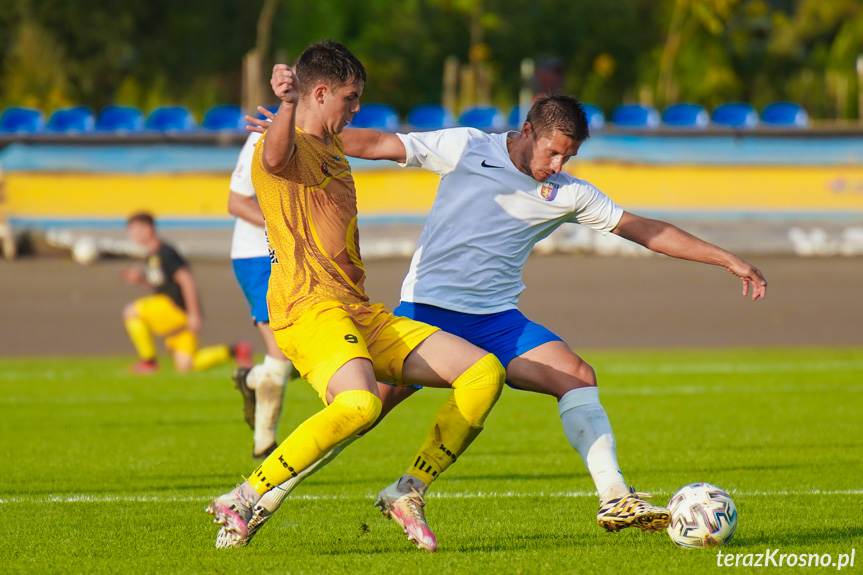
x: 399, y: 546
x: 143, y: 489
x: 721, y: 468
x: 514, y: 476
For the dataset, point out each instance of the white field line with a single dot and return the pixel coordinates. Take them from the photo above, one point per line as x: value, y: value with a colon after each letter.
x: 84, y: 498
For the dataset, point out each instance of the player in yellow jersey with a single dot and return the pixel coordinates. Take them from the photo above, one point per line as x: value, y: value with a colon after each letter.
x: 323, y: 320
x: 173, y: 312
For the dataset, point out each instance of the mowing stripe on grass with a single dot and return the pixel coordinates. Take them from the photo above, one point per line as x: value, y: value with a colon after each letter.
x: 84, y: 498
x: 75, y: 374
x: 731, y: 367
x: 747, y: 389
x: 649, y: 390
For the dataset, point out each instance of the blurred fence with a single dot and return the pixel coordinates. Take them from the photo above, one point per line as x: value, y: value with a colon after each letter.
x: 748, y: 191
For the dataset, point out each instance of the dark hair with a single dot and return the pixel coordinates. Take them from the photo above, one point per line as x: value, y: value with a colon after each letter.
x: 562, y: 113
x: 142, y: 217
x: 329, y: 63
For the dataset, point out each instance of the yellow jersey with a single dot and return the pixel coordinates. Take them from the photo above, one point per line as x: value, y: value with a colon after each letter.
x: 310, y: 210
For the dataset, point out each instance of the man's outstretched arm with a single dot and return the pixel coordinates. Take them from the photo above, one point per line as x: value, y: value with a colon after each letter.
x: 371, y: 144
x: 364, y: 143
x: 664, y: 238
x: 280, y: 142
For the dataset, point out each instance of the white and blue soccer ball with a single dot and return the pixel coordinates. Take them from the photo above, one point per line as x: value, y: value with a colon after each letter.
x: 702, y: 515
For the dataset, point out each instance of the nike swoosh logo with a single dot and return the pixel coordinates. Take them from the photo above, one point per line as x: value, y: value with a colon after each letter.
x: 484, y: 165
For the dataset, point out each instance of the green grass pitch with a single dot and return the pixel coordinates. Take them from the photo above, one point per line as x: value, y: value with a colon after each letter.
x: 103, y: 472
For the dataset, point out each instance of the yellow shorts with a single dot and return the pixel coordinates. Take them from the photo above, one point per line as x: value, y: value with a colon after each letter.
x: 330, y: 334
x: 165, y: 319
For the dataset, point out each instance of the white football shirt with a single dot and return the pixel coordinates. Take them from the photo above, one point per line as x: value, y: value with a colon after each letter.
x: 486, y: 218
x: 249, y: 240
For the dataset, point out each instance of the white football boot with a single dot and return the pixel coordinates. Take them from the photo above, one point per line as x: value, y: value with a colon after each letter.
x: 272, y: 500
x: 232, y: 511
x: 406, y: 509
x: 261, y: 513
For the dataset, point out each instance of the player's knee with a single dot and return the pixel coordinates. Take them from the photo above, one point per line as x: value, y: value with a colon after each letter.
x: 183, y: 366
x: 129, y: 311
x: 487, y: 373
x: 362, y: 409
x: 569, y: 376
x: 478, y: 388
x: 183, y: 363
x: 585, y: 373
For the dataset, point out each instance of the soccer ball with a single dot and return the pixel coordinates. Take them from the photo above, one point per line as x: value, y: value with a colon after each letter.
x: 85, y: 250
x: 702, y: 515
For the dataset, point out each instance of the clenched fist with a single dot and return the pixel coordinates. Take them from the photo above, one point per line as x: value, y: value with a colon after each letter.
x: 285, y: 84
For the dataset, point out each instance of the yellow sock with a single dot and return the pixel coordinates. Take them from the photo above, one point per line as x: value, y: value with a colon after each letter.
x: 141, y: 338
x: 460, y: 419
x: 348, y: 414
x: 211, y: 356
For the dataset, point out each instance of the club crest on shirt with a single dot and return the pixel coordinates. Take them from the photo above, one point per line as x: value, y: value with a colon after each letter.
x: 548, y: 191
x: 325, y: 170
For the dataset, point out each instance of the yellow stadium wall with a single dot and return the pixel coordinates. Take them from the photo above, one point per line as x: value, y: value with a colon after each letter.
x: 45, y: 195
x: 727, y: 188
x: 411, y: 191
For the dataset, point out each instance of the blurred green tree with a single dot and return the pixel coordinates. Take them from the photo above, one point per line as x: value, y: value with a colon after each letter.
x: 152, y: 52
x: 816, y: 47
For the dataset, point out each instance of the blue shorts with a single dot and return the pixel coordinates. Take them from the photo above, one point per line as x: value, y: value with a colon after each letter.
x: 506, y: 334
x: 254, y: 277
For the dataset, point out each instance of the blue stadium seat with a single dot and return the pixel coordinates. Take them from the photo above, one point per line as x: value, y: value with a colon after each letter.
x: 226, y: 117
x: 378, y: 116
x: 120, y: 119
x: 74, y: 119
x: 635, y: 116
x: 785, y: 115
x: 430, y: 117
x: 735, y: 115
x: 170, y: 118
x: 514, y: 117
x: 685, y: 115
x: 19, y: 120
x: 595, y: 117
x: 486, y: 118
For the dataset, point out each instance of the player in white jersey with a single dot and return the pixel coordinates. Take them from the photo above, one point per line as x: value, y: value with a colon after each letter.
x: 498, y: 195
x: 466, y: 278
x: 263, y: 385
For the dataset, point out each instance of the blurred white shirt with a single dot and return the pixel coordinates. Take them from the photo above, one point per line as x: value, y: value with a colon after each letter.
x: 249, y: 240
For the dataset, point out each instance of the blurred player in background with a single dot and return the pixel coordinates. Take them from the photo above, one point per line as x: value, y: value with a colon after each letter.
x: 498, y: 195
x: 173, y: 312
x: 323, y: 320
x: 262, y: 386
